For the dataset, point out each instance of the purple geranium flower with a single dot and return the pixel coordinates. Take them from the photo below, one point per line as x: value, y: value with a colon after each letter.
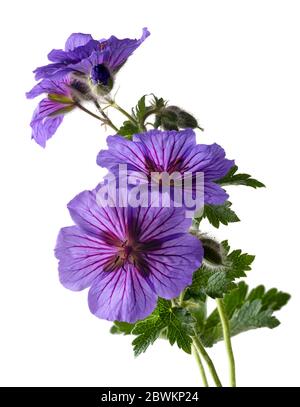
x: 127, y: 256
x: 171, y: 152
x: 51, y: 110
x: 96, y: 61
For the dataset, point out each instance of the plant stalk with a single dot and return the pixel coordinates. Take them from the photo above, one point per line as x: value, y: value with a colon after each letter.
x: 200, y: 348
x: 227, y: 340
x: 200, y: 365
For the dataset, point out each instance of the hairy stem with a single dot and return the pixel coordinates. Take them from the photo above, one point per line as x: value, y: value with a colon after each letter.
x: 106, y: 118
x: 84, y: 109
x: 200, y: 365
x: 227, y: 340
x: 200, y: 348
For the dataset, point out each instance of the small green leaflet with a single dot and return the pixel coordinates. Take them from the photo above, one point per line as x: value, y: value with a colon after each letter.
x: 217, y: 281
x: 142, y: 110
x: 245, y: 312
x: 217, y: 214
x: 173, y: 322
x: 232, y: 178
x: 128, y: 129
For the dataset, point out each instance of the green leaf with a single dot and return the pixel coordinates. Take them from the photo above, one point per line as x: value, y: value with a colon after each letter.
x: 148, y: 331
x: 128, y: 129
x: 232, y: 178
x: 141, y: 108
x: 176, y: 324
x: 180, y: 324
x: 218, y: 280
x: 217, y: 214
x: 144, y: 110
x: 245, y: 312
x: 124, y: 328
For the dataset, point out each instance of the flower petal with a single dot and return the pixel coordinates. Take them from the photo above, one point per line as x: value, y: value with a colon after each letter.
x: 209, y: 159
x: 97, y: 220
x: 76, y: 40
x: 120, y: 50
x: 50, y: 86
x: 122, y: 151
x: 122, y: 295
x: 81, y: 257
x: 214, y: 194
x: 166, y: 148
x: 86, y: 64
x: 171, y: 266
x: 150, y: 223
x: 43, y: 126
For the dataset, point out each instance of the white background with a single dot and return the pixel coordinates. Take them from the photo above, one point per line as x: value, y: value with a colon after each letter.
x: 236, y: 65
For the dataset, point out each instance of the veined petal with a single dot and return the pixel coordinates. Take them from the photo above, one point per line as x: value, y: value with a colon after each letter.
x: 122, y: 295
x: 168, y: 148
x: 50, y: 86
x: 120, y: 50
x: 81, y: 257
x: 209, y: 159
x: 150, y: 223
x: 171, y: 266
x: 47, y: 71
x: 86, y: 64
x: 214, y: 194
x: 76, y: 40
x: 174, y: 152
x: 46, y: 108
x: 43, y: 130
x: 96, y: 220
x: 122, y: 151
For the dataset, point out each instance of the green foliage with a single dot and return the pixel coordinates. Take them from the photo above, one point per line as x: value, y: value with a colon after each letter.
x: 143, y: 110
x: 245, y: 312
x: 216, y: 281
x: 128, y: 129
x: 217, y: 214
x: 232, y: 178
x: 122, y: 328
x: 176, y: 322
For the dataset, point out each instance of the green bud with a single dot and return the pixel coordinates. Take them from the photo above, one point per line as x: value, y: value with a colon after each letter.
x: 174, y: 118
x: 213, y: 251
x: 186, y: 120
x: 168, y: 119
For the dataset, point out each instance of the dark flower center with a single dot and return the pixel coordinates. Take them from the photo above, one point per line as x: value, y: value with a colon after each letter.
x: 173, y: 166
x: 130, y: 251
x: 100, y: 75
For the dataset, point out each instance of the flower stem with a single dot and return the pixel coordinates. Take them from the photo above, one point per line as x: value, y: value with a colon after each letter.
x: 226, y: 336
x: 201, y: 367
x: 84, y: 109
x: 200, y: 348
x: 106, y: 118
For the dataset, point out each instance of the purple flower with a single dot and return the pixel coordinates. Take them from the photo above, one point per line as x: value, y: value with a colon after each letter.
x: 51, y: 110
x: 127, y: 256
x: 97, y: 61
x: 171, y: 152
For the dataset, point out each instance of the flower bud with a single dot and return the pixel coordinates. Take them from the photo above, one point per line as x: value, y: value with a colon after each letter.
x: 174, y: 118
x: 213, y: 251
x: 168, y: 119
